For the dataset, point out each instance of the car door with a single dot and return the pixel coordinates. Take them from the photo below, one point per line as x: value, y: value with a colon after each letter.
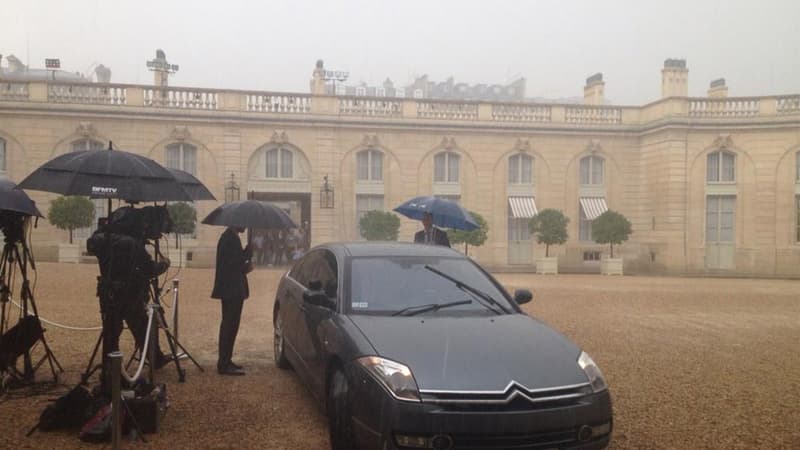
x: 310, y: 338
x: 292, y: 304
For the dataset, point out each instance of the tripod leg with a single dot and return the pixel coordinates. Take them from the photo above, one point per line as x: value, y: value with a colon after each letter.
x: 183, y: 350
x: 172, y: 345
x: 90, y: 368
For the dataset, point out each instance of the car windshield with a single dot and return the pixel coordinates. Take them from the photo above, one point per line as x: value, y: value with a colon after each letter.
x: 386, y: 285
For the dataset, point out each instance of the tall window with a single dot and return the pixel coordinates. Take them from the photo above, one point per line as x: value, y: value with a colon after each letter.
x: 721, y: 167
x: 797, y: 218
x: 584, y: 227
x: 520, y: 169
x: 365, y: 203
x: 280, y: 163
x: 797, y: 167
x: 445, y: 167
x: 369, y: 165
x: 182, y: 156
x: 3, y: 164
x: 592, y: 170
x: 87, y: 144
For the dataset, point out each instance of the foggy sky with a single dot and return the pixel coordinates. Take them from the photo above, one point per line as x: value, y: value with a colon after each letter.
x: 273, y: 45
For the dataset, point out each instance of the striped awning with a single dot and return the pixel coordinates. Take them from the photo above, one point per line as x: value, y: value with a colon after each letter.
x: 593, y: 207
x: 522, y: 207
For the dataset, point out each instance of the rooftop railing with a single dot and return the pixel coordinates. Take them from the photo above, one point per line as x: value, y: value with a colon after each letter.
x: 378, y: 108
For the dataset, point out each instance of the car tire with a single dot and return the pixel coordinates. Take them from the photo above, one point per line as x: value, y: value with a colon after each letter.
x: 340, y: 422
x: 278, y: 342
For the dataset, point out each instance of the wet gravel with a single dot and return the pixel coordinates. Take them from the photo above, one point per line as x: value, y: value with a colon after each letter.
x: 692, y: 363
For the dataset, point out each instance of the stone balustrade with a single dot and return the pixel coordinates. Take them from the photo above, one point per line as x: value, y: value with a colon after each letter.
x: 180, y: 98
x: 431, y: 109
x: 370, y: 107
x: 86, y: 93
x: 278, y: 103
x: 597, y: 115
x: 514, y: 114
x: 788, y: 105
x: 520, y: 112
x: 725, y: 107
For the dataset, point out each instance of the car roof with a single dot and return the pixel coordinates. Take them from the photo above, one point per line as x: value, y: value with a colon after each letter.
x: 389, y: 248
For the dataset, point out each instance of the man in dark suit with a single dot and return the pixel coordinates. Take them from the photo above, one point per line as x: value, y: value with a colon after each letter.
x: 230, y: 286
x: 431, y: 235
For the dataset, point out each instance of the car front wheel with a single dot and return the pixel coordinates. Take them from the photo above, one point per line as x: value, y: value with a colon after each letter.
x: 339, y: 419
x: 278, y: 343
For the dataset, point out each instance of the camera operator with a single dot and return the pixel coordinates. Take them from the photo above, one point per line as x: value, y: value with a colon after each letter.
x: 126, y: 270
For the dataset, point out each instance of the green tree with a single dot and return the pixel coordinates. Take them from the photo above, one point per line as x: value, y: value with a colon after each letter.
x: 69, y: 213
x: 476, y: 237
x: 550, y: 228
x: 379, y: 226
x: 611, y: 228
x: 184, y: 216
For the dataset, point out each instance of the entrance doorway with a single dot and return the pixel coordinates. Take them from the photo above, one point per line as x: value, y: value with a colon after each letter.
x: 520, y: 248
x: 284, y: 243
x: 720, y: 236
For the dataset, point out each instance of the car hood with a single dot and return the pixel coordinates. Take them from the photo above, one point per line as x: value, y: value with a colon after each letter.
x: 475, y: 353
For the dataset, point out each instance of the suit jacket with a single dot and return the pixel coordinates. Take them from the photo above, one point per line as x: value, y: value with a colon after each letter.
x: 230, y: 277
x: 439, y: 237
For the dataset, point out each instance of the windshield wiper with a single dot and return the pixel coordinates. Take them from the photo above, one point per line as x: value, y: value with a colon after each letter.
x: 414, y: 310
x: 474, y: 291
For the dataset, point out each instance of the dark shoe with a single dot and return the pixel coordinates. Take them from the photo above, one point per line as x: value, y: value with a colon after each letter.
x: 236, y: 366
x: 230, y: 370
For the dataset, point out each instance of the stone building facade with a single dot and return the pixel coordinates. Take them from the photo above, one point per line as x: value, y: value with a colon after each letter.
x: 711, y: 184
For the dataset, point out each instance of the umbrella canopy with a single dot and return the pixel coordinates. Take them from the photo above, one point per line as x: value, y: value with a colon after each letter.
x: 12, y: 199
x: 106, y: 174
x: 193, y: 187
x: 250, y: 214
x: 446, y: 214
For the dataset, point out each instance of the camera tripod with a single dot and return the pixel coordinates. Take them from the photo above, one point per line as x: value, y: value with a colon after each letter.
x: 156, y: 320
x: 21, y: 339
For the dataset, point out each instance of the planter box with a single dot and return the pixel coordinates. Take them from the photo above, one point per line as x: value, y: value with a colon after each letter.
x: 547, y: 265
x: 69, y: 253
x: 611, y: 266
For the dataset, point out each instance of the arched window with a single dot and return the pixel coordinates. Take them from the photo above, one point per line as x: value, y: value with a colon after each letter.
x: 369, y: 165
x: 592, y: 170
x: 3, y: 156
x: 520, y: 169
x: 721, y: 167
x: 182, y: 156
x: 280, y: 163
x: 445, y: 167
x: 87, y: 144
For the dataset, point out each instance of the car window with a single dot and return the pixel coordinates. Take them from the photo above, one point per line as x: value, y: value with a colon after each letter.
x: 301, y: 270
x: 384, y: 285
x: 325, y: 271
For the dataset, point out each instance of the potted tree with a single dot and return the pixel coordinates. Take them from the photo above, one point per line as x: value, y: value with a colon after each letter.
x: 379, y: 226
x: 476, y: 237
x: 611, y: 228
x: 184, y: 219
x: 69, y: 213
x: 550, y: 228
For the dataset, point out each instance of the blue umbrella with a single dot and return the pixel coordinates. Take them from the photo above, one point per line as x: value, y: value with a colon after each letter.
x: 446, y: 214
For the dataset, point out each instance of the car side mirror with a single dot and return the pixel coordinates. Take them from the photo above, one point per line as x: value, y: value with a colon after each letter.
x: 522, y: 296
x: 316, y: 296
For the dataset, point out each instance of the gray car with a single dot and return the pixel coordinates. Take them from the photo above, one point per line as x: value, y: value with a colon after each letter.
x: 412, y: 346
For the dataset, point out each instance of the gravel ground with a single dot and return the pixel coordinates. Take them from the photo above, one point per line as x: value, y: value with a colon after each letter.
x: 692, y: 363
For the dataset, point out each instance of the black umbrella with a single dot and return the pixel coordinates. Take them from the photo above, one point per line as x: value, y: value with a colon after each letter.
x: 106, y: 174
x: 196, y: 189
x: 13, y: 199
x: 250, y: 214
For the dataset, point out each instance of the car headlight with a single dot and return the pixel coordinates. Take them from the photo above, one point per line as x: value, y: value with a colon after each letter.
x: 592, y: 372
x: 394, y: 376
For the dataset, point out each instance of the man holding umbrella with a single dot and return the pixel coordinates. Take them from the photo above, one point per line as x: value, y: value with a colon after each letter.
x: 431, y: 235
x: 230, y: 287
x: 233, y: 265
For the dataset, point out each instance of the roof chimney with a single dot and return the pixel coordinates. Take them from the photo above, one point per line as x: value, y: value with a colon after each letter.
x: 674, y: 78
x: 717, y: 89
x: 594, y: 89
